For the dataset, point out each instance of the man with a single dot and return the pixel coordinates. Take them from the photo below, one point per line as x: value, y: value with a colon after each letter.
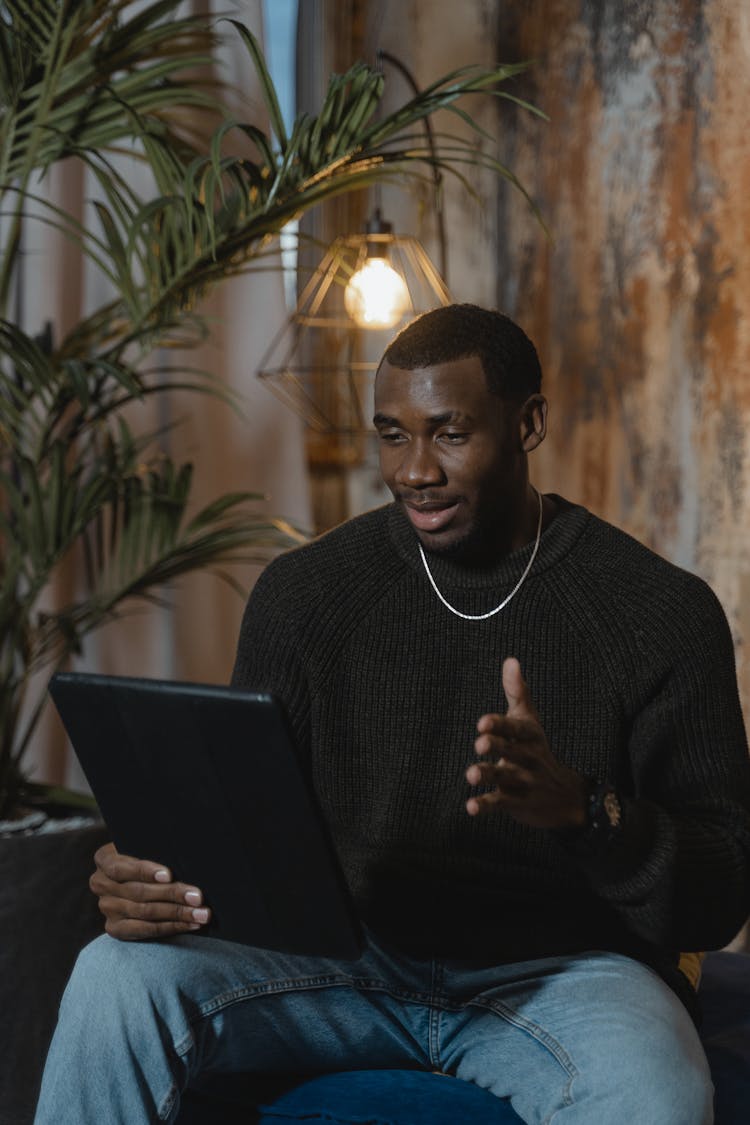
x: 524, y: 733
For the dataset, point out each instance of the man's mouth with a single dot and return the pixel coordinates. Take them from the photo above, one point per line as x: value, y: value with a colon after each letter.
x: 430, y: 515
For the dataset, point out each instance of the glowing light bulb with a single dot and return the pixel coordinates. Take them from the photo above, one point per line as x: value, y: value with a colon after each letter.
x: 376, y: 295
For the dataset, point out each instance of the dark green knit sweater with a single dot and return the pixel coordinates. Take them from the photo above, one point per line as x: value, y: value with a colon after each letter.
x: 631, y: 668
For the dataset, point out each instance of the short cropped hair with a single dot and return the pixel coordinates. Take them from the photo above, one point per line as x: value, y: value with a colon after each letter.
x: 508, y: 357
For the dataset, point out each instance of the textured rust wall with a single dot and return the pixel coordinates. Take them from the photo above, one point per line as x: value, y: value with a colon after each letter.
x: 639, y: 302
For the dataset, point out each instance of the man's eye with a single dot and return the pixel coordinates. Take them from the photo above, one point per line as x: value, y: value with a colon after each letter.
x: 453, y: 437
x: 390, y: 437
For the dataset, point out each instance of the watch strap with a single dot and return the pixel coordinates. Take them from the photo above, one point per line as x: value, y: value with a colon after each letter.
x: 603, y: 824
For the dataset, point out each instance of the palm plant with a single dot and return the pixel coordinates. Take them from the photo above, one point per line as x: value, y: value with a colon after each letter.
x: 87, y: 80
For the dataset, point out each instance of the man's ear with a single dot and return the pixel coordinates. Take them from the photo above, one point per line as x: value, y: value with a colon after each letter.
x: 533, y: 422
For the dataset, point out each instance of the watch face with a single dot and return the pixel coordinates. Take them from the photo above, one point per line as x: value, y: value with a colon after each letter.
x: 612, y: 809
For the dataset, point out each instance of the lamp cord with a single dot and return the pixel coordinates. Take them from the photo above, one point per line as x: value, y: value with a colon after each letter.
x: 437, y: 175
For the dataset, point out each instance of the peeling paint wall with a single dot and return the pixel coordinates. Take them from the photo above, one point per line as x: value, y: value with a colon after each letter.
x: 639, y: 302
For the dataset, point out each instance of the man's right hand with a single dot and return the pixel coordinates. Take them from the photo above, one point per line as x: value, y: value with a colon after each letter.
x: 140, y: 901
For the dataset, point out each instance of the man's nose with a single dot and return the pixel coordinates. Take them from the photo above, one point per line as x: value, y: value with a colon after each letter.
x: 419, y: 466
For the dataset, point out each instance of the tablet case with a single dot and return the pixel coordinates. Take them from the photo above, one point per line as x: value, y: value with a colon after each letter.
x: 206, y: 780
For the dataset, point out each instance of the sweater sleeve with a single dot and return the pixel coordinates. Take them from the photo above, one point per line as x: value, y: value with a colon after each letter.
x: 679, y: 874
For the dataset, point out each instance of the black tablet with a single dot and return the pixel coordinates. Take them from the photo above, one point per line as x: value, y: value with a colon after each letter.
x: 207, y: 780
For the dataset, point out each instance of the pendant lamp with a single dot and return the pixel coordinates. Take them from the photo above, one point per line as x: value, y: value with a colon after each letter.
x: 366, y: 287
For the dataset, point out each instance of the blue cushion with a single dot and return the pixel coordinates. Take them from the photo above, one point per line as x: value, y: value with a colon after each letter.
x: 388, y: 1097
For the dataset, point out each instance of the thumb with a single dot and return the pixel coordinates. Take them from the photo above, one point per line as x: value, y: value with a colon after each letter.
x: 516, y: 690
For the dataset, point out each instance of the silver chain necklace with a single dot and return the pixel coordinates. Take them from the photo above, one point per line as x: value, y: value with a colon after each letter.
x: 516, y: 588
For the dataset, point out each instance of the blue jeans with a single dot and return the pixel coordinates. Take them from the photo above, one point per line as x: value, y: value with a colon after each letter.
x: 593, y: 1039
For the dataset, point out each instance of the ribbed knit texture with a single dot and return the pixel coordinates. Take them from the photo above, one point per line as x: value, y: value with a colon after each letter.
x: 631, y: 667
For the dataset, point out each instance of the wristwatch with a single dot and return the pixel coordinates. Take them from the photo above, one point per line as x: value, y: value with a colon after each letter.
x: 603, y: 823
x: 603, y: 810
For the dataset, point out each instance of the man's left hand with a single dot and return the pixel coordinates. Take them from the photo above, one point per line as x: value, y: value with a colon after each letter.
x: 526, y: 778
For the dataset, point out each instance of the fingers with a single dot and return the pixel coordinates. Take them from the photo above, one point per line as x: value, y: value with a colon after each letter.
x: 128, y: 930
x: 140, y: 900
x: 513, y: 746
x: 516, y: 690
x: 507, y: 775
x: 508, y: 783
x: 500, y: 736
x: 506, y: 734
x: 142, y: 921
x: 138, y: 879
x: 477, y: 806
x: 126, y: 869
x: 144, y: 893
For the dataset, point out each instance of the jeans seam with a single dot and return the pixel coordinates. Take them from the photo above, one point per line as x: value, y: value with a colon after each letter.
x: 538, y: 1033
x: 164, y: 1111
x: 567, y: 1101
x: 216, y: 1004
x: 545, y: 1040
x: 435, y: 1012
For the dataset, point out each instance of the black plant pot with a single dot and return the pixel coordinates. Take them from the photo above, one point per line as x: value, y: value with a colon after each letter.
x: 47, y: 914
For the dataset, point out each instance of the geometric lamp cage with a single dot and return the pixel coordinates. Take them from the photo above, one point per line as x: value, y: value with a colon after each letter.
x: 322, y: 363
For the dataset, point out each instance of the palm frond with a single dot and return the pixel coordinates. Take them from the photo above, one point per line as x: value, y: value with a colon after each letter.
x: 91, y: 80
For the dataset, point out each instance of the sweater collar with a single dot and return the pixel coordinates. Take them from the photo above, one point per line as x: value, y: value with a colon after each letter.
x: 557, y: 540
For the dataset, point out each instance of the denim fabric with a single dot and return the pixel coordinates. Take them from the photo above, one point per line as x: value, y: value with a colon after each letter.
x: 579, y: 1040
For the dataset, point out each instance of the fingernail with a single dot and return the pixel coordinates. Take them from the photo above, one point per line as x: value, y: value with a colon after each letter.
x: 200, y: 915
x: 193, y: 897
x: 162, y: 876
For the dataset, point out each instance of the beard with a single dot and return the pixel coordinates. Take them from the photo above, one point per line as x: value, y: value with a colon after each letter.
x: 475, y: 545
x: 483, y: 542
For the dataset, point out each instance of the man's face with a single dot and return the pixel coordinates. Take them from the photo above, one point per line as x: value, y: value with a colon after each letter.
x: 453, y: 455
